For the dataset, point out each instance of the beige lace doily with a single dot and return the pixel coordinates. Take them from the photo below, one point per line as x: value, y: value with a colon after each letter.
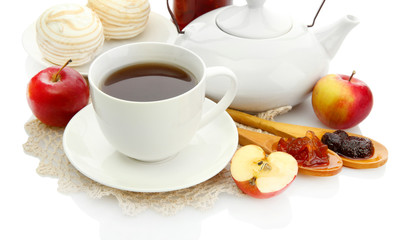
x: 45, y: 143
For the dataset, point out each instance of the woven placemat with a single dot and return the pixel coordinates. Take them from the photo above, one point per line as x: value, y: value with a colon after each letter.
x: 45, y: 143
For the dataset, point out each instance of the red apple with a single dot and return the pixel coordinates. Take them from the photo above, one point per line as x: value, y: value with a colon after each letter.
x: 341, y: 101
x: 260, y: 176
x: 56, y: 93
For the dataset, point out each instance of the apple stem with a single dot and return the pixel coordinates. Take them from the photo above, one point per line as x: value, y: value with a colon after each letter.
x: 56, y: 77
x: 351, y: 76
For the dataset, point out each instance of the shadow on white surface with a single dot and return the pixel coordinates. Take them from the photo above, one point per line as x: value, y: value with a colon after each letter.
x: 371, y: 173
x: 315, y: 187
x: 270, y: 213
x: 114, y: 224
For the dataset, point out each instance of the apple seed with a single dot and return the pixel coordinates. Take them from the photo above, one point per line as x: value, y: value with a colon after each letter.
x: 264, y: 166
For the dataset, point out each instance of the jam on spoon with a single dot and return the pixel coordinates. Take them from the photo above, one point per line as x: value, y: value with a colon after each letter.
x: 349, y: 146
x: 309, y: 151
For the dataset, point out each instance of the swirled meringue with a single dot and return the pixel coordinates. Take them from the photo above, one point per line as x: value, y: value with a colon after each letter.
x: 121, y: 19
x: 69, y: 31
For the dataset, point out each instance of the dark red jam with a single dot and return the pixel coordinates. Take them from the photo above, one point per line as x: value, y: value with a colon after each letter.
x: 187, y: 10
x: 348, y: 146
x: 308, y: 151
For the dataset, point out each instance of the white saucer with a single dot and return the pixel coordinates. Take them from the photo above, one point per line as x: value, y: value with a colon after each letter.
x: 159, y: 29
x: 206, y: 155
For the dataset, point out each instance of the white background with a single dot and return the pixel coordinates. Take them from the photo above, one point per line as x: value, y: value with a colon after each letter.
x: 355, y: 204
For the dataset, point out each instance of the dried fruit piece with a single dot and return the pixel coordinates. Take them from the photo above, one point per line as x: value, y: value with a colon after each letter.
x: 349, y: 146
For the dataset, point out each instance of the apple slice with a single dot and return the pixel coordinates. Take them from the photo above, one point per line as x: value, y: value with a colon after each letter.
x: 260, y: 176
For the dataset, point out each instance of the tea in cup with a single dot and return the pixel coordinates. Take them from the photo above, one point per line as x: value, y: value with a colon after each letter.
x: 148, y: 98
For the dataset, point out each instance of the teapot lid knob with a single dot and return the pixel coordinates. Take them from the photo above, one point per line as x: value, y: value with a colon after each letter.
x: 253, y: 21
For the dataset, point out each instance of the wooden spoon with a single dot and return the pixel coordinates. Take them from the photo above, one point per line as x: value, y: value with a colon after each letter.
x: 269, y: 144
x: 378, y: 159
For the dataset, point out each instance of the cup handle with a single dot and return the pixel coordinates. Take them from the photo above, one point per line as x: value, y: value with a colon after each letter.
x: 228, y: 97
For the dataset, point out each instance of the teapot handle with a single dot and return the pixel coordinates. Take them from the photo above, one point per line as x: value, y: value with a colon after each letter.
x: 318, y: 11
x: 174, y: 20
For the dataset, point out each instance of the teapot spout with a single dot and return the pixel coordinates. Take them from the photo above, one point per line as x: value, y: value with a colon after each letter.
x: 332, y: 36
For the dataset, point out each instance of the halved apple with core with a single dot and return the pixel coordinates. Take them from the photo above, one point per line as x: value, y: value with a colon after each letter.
x: 262, y: 176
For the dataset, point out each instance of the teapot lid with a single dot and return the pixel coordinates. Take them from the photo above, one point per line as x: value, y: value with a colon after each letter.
x: 253, y: 21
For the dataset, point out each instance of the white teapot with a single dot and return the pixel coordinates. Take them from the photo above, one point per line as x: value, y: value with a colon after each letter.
x: 276, y: 59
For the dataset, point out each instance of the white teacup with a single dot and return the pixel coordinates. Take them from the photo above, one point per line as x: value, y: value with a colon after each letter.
x: 155, y: 130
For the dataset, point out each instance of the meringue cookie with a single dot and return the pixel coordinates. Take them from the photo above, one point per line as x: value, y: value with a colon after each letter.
x: 69, y: 31
x: 121, y: 19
